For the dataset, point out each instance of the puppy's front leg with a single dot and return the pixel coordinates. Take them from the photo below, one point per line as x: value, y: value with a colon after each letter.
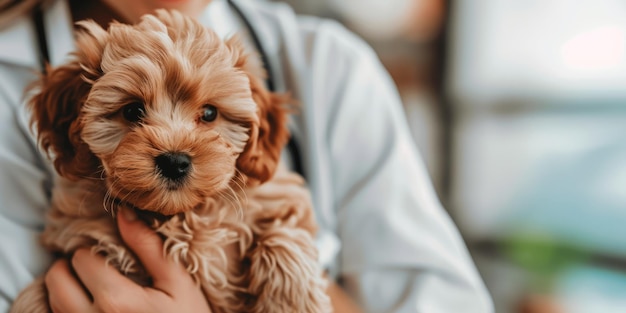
x: 284, y: 270
x: 284, y: 274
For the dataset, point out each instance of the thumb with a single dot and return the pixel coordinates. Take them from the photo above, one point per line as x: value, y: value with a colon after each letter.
x: 148, y: 247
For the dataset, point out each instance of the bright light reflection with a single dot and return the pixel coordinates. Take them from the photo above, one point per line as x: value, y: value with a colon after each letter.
x: 599, y: 48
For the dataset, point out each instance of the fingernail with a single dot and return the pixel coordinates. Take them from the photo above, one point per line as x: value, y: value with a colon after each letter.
x: 129, y: 214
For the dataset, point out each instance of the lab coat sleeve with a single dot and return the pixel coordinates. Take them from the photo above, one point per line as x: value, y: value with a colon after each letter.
x: 24, y: 185
x: 400, y: 250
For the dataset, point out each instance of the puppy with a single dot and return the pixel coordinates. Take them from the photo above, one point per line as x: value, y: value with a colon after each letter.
x: 166, y: 119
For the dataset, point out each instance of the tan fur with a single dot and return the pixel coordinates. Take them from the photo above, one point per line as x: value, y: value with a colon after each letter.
x: 243, y: 229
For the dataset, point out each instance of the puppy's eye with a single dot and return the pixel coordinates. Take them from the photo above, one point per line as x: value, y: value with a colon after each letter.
x: 210, y: 113
x: 134, y: 112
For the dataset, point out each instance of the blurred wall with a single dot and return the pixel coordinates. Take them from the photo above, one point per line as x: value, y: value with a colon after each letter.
x: 538, y: 91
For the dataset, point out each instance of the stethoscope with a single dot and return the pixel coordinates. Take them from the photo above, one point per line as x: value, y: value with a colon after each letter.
x: 292, y: 146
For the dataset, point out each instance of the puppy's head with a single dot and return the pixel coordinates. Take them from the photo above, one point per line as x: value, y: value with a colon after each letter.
x: 164, y: 111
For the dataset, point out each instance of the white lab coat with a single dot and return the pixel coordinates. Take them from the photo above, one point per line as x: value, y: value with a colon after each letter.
x: 400, y: 252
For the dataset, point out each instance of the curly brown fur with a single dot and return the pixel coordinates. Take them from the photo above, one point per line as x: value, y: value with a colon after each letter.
x: 241, y: 224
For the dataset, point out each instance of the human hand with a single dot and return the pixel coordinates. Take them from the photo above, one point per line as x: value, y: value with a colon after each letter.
x: 106, y: 290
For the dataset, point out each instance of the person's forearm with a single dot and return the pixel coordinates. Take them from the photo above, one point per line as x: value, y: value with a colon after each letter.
x: 340, y: 300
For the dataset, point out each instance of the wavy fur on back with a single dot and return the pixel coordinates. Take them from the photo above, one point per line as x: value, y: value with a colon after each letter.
x: 241, y: 224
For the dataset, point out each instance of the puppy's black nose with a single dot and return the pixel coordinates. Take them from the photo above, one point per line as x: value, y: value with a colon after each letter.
x: 173, y: 165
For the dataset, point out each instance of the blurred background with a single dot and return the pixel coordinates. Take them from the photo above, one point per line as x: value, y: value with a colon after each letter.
x: 519, y: 110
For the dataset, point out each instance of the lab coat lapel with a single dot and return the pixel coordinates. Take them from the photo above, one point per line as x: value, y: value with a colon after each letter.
x: 25, y: 53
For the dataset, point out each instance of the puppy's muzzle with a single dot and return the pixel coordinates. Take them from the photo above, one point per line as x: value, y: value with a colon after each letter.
x: 173, y: 166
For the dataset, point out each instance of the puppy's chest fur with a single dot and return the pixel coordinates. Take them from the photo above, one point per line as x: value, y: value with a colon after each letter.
x: 217, y: 243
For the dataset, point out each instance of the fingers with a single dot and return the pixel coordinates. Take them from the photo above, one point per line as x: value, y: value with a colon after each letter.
x: 65, y: 293
x: 147, y: 245
x: 100, y: 279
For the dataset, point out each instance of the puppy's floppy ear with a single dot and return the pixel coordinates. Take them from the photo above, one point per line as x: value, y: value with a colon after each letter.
x: 59, y: 97
x: 269, y: 134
